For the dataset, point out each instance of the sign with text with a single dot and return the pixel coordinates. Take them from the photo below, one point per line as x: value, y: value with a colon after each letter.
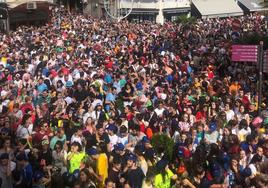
x: 265, y: 62
x: 245, y: 53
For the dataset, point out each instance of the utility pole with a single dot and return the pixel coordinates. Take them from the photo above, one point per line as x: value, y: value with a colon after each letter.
x: 260, y: 66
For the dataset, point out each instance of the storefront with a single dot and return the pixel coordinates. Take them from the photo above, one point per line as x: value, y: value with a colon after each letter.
x: 141, y: 15
x: 30, y: 13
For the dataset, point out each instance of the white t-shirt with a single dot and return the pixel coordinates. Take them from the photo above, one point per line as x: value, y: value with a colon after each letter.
x: 113, y: 141
x: 123, y: 140
x: 76, y: 139
x: 23, y: 132
x: 229, y: 115
x: 159, y: 112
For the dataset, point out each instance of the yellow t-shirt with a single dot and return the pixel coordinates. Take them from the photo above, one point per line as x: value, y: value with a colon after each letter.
x: 102, y: 168
x: 160, y: 183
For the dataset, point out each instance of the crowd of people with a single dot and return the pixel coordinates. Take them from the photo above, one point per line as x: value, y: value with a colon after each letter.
x: 82, y: 100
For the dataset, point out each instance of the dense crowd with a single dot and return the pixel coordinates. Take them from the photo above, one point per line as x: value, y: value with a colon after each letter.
x: 82, y: 101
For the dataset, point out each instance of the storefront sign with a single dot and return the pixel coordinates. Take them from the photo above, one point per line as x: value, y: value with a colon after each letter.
x: 265, y: 62
x: 245, y: 53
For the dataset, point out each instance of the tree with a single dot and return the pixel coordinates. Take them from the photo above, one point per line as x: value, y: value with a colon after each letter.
x: 184, y: 19
x: 163, y: 145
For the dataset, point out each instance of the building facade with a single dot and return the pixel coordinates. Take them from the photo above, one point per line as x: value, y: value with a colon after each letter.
x: 141, y: 10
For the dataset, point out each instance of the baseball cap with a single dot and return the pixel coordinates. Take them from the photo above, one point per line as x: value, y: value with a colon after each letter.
x: 119, y: 147
x: 132, y: 157
x: 112, y: 127
x: 4, y: 156
x: 92, y: 151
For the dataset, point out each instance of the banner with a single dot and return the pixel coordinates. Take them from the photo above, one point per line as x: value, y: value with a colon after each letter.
x: 245, y: 53
x: 265, y: 62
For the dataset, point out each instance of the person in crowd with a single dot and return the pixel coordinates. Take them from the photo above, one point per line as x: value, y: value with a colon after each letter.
x: 88, y: 102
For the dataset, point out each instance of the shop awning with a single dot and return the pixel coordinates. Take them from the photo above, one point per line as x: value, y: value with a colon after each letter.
x: 217, y: 8
x: 176, y: 10
x: 253, y: 5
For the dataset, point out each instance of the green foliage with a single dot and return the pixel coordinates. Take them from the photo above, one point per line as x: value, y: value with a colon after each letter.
x: 184, y: 19
x: 254, y: 39
x: 163, y: 144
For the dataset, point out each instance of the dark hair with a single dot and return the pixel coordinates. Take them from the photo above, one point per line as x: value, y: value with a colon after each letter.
x: 108, y: 180
x: 199, y: 170
x: 60, y: 144
x: 102, y: 147
x: 86, y: 171
x: 25, y: 118
x: 123, y: 129
x: 117, y: 160
x: 232, y: 123
x: 243, y: 124
x: 78, y: 145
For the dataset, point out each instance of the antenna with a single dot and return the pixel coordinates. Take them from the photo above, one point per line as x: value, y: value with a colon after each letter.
x: 113, y: 9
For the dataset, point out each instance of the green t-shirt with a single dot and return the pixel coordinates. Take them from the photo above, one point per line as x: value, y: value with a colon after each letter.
x: 160, y: 183
x: 76, y: 161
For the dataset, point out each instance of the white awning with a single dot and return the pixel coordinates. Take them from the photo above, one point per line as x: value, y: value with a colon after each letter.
x: 217, y: 8
x: 253, y: 5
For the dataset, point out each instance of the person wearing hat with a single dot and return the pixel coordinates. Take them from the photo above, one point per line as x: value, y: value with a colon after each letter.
x: 212, y: 134
x: 132, y: 173
x: 119, y: 152
x: 101, y: 159
x: 164, y: 176
x: 6, y: 168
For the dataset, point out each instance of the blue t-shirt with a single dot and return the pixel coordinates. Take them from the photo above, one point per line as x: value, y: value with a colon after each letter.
x: 27, y: 175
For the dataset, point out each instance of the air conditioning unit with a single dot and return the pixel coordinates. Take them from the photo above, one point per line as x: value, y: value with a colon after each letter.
x: 31, y: 5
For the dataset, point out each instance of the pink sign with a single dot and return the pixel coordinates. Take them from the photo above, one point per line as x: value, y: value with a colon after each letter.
x: 245, y: 53
x: 265, y: 62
